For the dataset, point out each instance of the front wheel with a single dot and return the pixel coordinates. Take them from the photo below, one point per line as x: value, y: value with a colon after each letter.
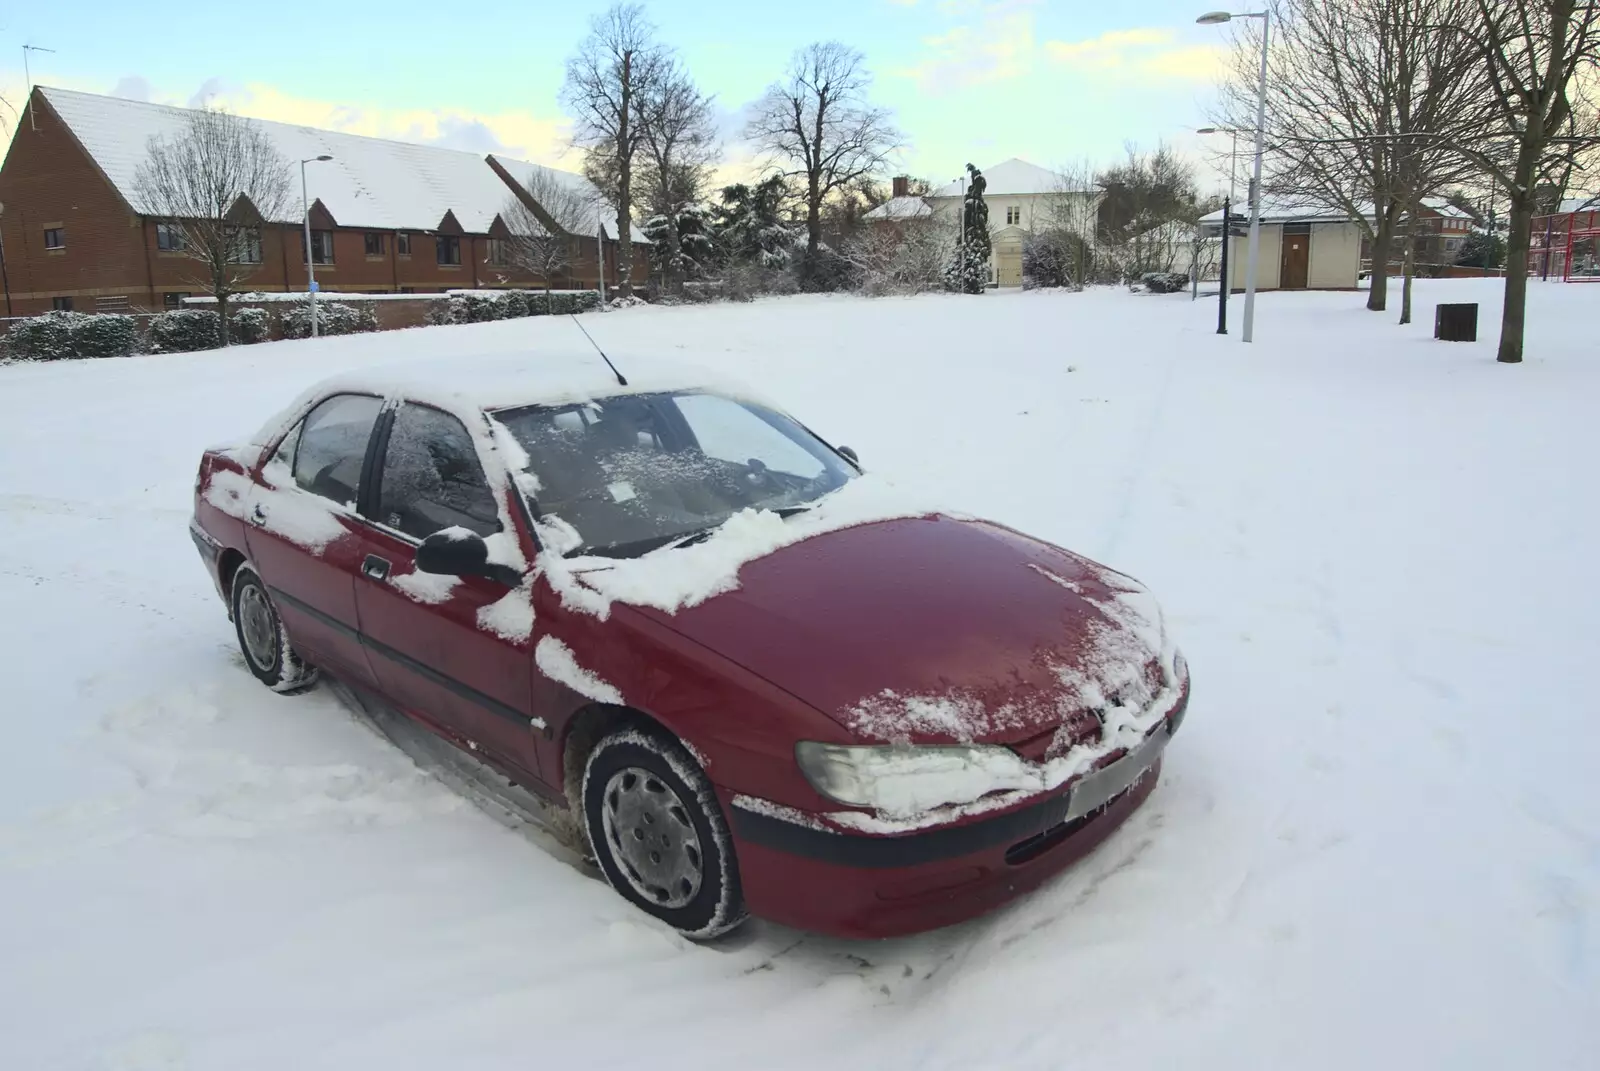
x: 660, y: 838
x: 262, y: 640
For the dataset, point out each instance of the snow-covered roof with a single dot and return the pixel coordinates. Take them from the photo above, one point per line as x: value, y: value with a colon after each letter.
x: 1278, y: 211
x: 1013, y: 177
x: 596, y: 213
x: 370, y: 182
x: 901, y: 208
x: 1442, y: 207
x: 1586, y: 203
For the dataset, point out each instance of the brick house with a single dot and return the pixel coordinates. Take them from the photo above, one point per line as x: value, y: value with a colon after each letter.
x: 386, y: 216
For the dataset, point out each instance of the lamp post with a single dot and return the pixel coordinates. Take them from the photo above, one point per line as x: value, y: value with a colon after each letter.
x: 961, y: 217
x: 1233, y: 152
x: 305, y: 205
x: 1212, y: 18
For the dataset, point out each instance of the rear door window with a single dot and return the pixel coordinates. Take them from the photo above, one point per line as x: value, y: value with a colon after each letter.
x: 333, y: 446
x: 432, y: 478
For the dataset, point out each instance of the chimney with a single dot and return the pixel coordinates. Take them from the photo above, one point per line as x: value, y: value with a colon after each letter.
x: 902, y: 183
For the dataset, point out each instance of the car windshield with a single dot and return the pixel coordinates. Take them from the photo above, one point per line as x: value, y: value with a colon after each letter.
x: 640, y: 471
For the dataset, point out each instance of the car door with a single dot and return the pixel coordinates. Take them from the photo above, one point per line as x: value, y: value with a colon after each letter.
x: 304, y: 536
x: 455, y: 651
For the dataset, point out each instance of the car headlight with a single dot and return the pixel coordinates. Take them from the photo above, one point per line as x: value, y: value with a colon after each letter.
x: 901, y: 781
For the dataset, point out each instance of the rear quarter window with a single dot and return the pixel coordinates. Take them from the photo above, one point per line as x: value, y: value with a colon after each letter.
x: 332, y: 446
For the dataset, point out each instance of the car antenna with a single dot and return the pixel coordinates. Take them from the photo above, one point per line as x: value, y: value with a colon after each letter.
x: 623, y: 380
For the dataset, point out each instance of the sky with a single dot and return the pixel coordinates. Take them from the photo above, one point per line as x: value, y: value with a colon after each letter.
x: 1056, y: 82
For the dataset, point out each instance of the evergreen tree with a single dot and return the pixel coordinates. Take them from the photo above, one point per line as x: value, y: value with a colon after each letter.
x: 969, y: 270
x: 750, y: 223
x: 695, y: 246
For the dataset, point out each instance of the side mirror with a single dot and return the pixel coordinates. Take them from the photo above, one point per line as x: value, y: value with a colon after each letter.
x: 850, y: 454
x: 458, y: 552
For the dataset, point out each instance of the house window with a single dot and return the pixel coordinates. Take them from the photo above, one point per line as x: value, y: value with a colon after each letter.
x: 1013, y: 215
x: 374, y: 244
x: 61, y: 304
x: 408, y: 290
x: 497, y: 252
x: 246, y: 246
x: 402, y: 244
x: 55, y: 238
x: 169, y: 238
x: 321, y: 246
x: 173, y: 299
x: 449, y: 247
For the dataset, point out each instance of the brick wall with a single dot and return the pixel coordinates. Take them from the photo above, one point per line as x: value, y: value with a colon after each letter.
x: 48, y: 181
x: 111, y: 258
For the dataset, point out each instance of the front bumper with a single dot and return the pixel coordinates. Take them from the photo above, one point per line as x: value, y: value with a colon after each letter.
x: 853, y: 885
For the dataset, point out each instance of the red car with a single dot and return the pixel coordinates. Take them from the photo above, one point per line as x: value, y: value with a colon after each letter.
x: 765, y: 680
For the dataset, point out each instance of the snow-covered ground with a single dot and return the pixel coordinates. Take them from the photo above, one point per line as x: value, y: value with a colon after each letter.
x: 1376, y: 844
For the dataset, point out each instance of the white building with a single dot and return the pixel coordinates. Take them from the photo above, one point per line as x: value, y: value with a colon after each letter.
x: 1021, y: 197
x: 1303, y: 247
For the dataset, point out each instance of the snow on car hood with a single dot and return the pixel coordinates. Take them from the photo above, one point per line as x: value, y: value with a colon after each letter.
x: 938, y: 629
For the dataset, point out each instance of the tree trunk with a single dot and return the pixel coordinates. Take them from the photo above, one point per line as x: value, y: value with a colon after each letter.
x: 1518, y: 240
x: 674, y: 256
x: 625, y: 184
x: 222, y: 318
x: 1378, y: 281
x: 813, y: 217
x: 1410, y: 271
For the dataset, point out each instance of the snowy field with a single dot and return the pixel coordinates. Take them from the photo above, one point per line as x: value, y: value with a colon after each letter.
x: 1377, y: 843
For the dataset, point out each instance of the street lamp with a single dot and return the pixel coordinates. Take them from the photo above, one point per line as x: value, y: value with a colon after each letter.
x: 1212, y: 18
x: 305, y: 205
x: 1233, y: 152
x: 961, y: 215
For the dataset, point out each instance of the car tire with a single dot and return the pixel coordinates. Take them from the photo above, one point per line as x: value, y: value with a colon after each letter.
x: 262, y: 639
x: 659, y: 836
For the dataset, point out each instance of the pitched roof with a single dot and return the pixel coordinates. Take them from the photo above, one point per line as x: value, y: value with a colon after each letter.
x: 1013, y: 177
x: 906, y: 207
x: 1276, y: 211
x: 596, y: 212
x: 370, y: 182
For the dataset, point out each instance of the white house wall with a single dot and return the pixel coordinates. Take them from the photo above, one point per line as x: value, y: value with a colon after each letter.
x: 1335, y: 256
x: 1271, y: 258
x: 1334, y: 259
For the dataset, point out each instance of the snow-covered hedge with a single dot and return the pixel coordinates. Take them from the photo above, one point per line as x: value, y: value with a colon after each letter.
x: 105, y: 335
x: 475, y: 308
x: 479, y: 306
x: 514, y: 304
x: 184, y: 331
x: 333, y: 318
x: 43, y: 338
x: 57, y: 336
x: 249, y: 326
x: 1165, y: 282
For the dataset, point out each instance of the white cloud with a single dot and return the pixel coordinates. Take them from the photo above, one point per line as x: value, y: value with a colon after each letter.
x: 1145, y: 53
x: 995, y: 45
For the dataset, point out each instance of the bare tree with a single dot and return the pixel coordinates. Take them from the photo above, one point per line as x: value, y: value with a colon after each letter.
x: 1148, y: 213
x: 1533, y: 50
x: 1363, y: 96
x: 680, y: 143
x: 817, y: 126
x: 547, y: 225
x: 907, y: 256
x: 217, y: 181
x: 614, y: 70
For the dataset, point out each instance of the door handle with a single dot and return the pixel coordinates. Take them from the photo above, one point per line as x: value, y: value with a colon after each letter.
x: 375, y: 567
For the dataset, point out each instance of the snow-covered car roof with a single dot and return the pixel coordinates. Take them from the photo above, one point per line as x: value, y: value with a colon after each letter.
x: 465, y: 385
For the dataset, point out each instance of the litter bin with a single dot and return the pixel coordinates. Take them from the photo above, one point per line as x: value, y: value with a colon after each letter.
x: 1456, y: 323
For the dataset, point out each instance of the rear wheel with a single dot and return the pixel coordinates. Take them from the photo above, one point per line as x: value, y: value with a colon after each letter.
x: 658, y: 835
x: 262, y: 640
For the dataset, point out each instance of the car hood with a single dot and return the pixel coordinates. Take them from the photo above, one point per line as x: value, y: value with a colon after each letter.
x: 936, y: 630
